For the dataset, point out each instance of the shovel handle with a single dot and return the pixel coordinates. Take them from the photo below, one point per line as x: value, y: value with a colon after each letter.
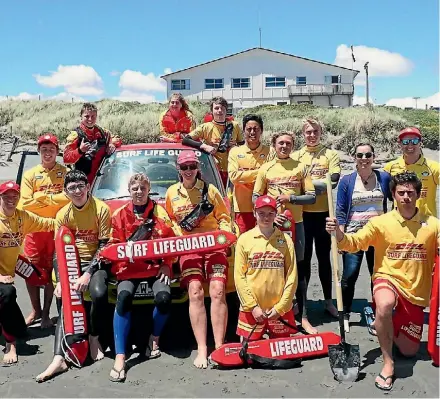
x: 334, y: 247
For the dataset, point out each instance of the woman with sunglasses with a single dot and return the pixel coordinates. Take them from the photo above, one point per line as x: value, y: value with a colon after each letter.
x: 198, y: 207
x: 361, y: 195
x: 412, y: 160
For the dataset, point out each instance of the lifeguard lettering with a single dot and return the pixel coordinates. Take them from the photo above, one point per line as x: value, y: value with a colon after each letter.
x: 24, y: 269
x: 73, y: 273
x: 296, y: 345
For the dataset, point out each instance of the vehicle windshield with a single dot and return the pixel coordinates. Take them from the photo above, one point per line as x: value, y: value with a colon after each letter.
x: 158, y: 164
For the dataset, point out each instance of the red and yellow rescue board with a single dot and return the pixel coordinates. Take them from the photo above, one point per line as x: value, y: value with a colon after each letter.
x: 296, y: 347
x: 167, y: 247
x: 434, y: 316
x: 31, y: 273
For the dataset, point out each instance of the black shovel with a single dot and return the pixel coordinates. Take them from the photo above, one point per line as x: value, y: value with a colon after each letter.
x: 345, y: 359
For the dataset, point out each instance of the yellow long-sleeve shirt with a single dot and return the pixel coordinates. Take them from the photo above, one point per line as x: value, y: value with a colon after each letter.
x: 243, y: 166
x: 319, y: 161
x: 88, y: 224
x: 428, y: 172
x: 13, y: 229
x: 211, y: 133
x: 179, y: 202
x: 284, y: 176
x: 404, y: 251
x: 41, y: 190
x: 265, y: 271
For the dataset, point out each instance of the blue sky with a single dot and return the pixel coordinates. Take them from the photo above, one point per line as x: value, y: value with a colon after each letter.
x: 96, y: 42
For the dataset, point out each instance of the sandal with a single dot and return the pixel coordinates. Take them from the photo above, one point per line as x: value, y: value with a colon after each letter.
x: 385, y: 387
x: 118, y: 378
x: 152, y: 353
x: 369, y: 319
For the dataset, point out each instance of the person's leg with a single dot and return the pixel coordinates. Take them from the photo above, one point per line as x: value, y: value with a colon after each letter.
x: 162, y: 300
x: 369, y: 254
x: 58, y: 364
x: 197, y: 315
x: 46, y: 321
x: 385, y: 299
x: 351, y: 267
x: 304, y: 272
x: 34, y: 296
x: 99, y: 293
x: 322, y: 250
x: 121, y: 326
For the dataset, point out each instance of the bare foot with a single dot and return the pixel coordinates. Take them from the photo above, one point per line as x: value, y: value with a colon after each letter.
x: 10, y: 356
x: 117, y: 373
x: 46, y: 322
x: 330, y: 308
x: 386, y: 381
x: 308, y: 327
x: 32, y: 318
x: 57, y: 367
x: 96, y: 351
x: 201, y: 361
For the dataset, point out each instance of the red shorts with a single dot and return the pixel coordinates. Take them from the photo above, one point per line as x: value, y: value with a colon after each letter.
x: 407, y: 318
x: 245, y: 221
x: 207, y: 267
x: 274, y: 328
x: 39, y: 249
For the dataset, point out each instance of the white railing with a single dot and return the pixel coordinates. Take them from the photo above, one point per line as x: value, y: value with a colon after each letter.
x: 321, y: 89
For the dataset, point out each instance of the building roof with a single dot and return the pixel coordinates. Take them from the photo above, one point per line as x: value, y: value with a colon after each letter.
x: 258, y: 48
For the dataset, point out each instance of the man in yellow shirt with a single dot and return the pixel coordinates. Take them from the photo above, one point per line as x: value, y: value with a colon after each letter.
x: 89, y: 220
x: 319, y: 161
x: 42, y: 194
x: 405, y: 242
x: 197, y: 207
x: 412, y: 160
x: 265, y: 276
x: 217, y: 137
x: 14, y: 225
x: 285, y: 179
x: 243, y: 165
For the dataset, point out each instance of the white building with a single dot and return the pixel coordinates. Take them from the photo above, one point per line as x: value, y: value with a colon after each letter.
x: 262, y: 76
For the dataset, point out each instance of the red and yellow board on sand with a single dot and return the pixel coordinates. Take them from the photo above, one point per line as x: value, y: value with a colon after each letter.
x: 434, y: 316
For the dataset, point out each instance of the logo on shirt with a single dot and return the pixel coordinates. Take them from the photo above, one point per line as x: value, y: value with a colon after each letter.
x: 425, y: 173
x: 407, y: 250
x: 86, y: 235
x: 262, y: 156
x: 8, y: 240
x: 175, y: 199
x: 281, y: 241
x: 59, y: 174
x: 267, y: 260
x: 240, y: 156
x: 38, y: 177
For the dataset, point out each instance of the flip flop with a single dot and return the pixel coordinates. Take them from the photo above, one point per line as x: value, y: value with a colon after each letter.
x: 118, y: 378
x: 3, y: 364
x: 369, y: 319
x: 152, y: 354
x: 384, y: 379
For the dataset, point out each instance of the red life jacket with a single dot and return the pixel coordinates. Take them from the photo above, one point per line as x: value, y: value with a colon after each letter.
x: 183, y: 124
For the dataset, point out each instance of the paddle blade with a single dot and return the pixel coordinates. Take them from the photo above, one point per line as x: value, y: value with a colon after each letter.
x: 345, y: 361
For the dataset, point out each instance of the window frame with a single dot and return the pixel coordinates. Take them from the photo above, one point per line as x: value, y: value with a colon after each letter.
x: 186, y: 83
x: 299, y: 78
x: 275, y: 86
x: 241, y: 87
x: 214, y: 83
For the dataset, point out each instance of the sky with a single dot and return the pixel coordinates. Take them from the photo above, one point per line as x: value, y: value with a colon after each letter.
x: 88, y: 50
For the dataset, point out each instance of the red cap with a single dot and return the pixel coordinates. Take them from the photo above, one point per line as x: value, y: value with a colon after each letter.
x: 408, y: 131
x: 48, y: 138
x: 187, y: 156
x: 9, y: 185
x: 265, y: 200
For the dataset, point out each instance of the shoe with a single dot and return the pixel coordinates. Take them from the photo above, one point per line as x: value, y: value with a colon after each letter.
x: 385, y: 387
x: 118, y: 378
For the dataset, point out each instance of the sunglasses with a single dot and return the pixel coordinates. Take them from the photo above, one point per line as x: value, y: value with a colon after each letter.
x: 410, y: 141
x: 190, y: 167
x: 361, y: 155
x: 73, y: 188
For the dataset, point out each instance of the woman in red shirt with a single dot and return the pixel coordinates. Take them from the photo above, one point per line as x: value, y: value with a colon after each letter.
x: 177, y: 121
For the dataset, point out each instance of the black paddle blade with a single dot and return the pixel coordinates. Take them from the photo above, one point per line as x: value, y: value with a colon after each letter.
x: 345, y: 361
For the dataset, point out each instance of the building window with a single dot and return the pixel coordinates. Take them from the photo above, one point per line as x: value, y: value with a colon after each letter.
x: 275, y: 82
x: 230, y: 109
x: 241, y: 83
x: 332, y: 79
x: 180, y: 84
x: 301, y: 80
x: 214, y: 84
x: 305, y: 102
x: 281, y: 102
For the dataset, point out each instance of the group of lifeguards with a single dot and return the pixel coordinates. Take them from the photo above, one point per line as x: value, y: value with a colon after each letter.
x: 271, y: 270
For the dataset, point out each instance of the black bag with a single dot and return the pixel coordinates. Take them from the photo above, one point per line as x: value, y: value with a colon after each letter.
x: 84, y: 164
x: 204, y: 208
x: 226, y: 138
x: 145, y: 230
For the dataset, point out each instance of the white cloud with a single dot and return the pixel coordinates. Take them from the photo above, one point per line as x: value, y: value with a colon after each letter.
x: 128, y: 95
x: 410, y: 102
x: 138, y: 82
x: 75, y: 79
x: 115, y: 73
x: 380, y: 62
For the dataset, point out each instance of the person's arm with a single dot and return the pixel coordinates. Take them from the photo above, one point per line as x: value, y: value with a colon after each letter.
x: 435, y: 168
x: 221, y: 213
x: 117, y: 232
x: 342, y: 201
x: 291, y: 275
x: 239, y: 176
x: 27, y: 200
x: 244, y: 292
x: 366, y: 237
x: 170, y: 211
x: 260, y: 186
x: 239, y: 133
x: 308, y: 197
x: 195, y: 138
x: 72, y: 153
x: 33, y: 223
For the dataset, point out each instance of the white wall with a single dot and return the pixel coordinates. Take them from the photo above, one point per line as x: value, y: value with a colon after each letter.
x: 257, y: 64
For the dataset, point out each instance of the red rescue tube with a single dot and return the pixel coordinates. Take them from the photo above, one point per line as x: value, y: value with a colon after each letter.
x: 75, y: 342
x: 434, y: 316
x: 289, y: 225
x: 296, y: 347
x: 31, y: 273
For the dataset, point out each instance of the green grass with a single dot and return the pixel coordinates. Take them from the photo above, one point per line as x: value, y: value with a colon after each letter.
x: 136, y: 122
